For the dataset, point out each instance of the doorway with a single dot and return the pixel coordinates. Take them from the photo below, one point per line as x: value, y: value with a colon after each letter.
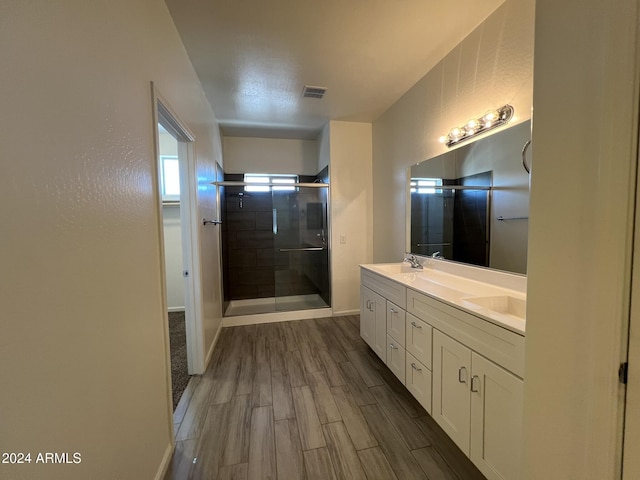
x: 177, y: 205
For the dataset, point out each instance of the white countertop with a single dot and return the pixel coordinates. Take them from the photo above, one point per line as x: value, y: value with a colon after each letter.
x: 493, y: 302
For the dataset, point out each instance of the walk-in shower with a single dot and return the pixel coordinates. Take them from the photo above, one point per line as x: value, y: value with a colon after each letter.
x: 275, y: 246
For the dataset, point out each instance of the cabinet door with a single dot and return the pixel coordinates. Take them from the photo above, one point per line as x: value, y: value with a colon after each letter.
x: 380, y: 320
x: 395, y: 357
x: 367, y: 316
x: 395, y: 322
x: 419, y: 335
x: 496, y: 420
x: 418, y: 381
x: 451, y: 377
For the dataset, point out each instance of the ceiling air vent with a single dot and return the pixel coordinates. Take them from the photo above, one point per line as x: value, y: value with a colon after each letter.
x: 313, y: 92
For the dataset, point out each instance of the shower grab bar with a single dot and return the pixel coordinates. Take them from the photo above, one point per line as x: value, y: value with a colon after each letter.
x: 309, y: 249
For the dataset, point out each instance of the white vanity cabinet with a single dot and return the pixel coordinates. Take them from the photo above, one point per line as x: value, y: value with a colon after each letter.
x: 466, y: 370
x: 382, y: 320
x: 476, y: 400
x: 479, y: 405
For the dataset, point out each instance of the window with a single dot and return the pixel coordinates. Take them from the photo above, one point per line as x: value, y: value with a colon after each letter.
x: 170, y: 178
x: 284, y: 182
x: 426, y: 185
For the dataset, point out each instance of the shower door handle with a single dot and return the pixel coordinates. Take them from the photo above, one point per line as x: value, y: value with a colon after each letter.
x: 275, y: 221
x: 310, y: 249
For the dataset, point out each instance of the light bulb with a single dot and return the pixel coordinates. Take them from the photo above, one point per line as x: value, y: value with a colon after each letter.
x: 490, y: 117
x: 472, y: 127
x: 443, y: 139
x: 456, y: 133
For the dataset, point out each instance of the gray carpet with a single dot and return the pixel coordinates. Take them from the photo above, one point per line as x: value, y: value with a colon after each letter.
x: 178, y: 346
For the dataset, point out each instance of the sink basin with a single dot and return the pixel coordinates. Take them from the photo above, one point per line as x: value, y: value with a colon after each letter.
x: 396, y: 268
x: 504, y: 304
x: 435, y: 288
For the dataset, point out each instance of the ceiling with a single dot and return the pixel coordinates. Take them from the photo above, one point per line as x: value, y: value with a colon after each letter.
x: 253, y: 57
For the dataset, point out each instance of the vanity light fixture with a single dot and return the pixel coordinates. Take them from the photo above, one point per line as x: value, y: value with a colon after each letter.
x: 490, y: 120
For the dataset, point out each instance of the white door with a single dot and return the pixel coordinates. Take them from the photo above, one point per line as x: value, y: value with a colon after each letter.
x: 418, y: 381
x: 496, y: 420
x: 380, y: 311
x: 367, y: 316
x: 451, y: 377
x: 396, y: 358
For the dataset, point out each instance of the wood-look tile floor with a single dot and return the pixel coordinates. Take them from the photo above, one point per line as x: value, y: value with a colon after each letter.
x: 306, y: 399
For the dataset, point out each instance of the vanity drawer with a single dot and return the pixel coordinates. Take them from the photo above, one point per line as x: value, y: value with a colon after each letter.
x: 418, y: 381
x: 396, y: 356
x: 419, y: 336
x: 392, y: 291
x: 396, y: 322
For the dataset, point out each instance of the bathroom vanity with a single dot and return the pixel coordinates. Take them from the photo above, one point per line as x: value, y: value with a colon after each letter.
x: 454, y: 336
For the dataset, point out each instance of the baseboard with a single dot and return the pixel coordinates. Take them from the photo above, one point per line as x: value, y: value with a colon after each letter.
x: 276, y: 317
x: 166, y: 461
x: 209, y: 355
x: 175, y: 309
x: 345, y: 313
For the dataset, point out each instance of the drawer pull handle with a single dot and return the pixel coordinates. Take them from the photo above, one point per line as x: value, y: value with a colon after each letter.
x: 413, y: 365
x: 393, y: 310
x: 473, y: 383
x: 462, y: 375
x: 415, y: 325
x: 392, y: 346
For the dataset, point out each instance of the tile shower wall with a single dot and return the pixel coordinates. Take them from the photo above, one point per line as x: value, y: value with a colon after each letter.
x: 247, y: 243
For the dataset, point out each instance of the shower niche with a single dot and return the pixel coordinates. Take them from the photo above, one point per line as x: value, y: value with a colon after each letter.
x: 274, y: 244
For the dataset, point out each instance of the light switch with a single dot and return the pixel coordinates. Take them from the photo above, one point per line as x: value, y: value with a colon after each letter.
x: 343, y: 239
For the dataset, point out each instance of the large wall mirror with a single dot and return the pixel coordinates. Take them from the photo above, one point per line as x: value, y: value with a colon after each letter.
x: 471, y: 204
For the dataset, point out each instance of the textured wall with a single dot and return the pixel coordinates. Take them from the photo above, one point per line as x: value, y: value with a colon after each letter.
x: 491, y: 67
x: 83, y: 348
x: 582, y: 201
x: 270, y: 155
x: 351, y: 190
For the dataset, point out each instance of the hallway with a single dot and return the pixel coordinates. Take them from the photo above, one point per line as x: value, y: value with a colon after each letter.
x: 306, y: 399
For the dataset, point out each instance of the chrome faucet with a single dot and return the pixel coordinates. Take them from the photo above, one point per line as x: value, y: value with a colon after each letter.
x: 412, y: 259
x: 437, y: 255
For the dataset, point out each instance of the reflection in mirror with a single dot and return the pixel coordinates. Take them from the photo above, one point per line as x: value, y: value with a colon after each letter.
x: 471, y: 204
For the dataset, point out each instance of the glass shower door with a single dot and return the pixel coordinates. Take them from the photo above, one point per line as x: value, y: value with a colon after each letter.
x: 301, y: 253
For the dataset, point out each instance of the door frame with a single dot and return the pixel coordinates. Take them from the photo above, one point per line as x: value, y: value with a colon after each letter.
x: 164, y: 115
x: 631, y: 428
